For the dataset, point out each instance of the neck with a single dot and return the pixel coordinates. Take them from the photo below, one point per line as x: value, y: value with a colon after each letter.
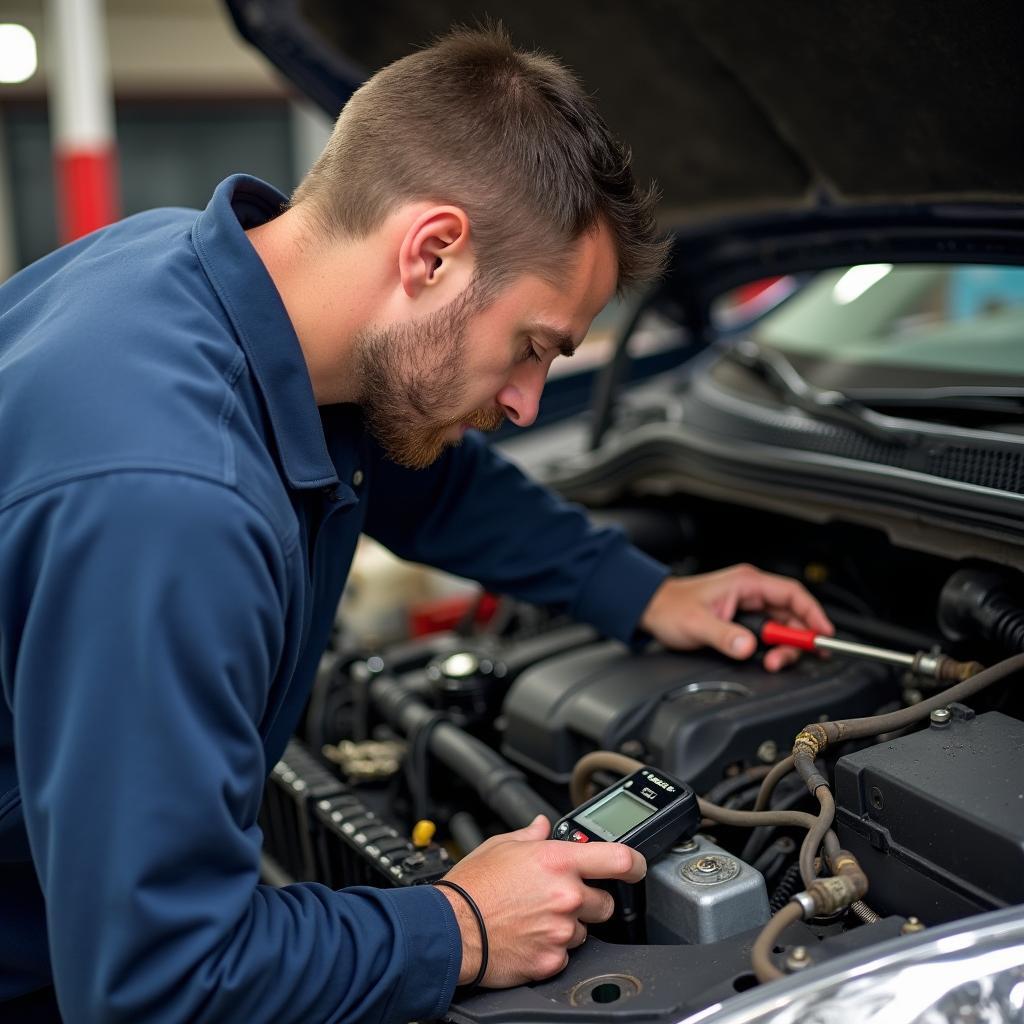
x: 329, y: 289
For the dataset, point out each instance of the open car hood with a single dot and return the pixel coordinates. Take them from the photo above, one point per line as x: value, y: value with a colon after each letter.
x: 762, y: 107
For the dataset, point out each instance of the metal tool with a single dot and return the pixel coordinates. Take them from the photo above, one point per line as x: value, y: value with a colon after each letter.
x: 922, y: 663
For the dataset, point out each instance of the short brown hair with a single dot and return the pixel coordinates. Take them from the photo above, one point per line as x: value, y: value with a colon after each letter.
x: 509, y: 136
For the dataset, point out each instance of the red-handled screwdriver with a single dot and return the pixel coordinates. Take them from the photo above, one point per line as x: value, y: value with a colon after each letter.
x: 923, y: 663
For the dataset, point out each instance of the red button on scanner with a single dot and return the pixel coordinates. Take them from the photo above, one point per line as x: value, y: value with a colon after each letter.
x: 580, y: 837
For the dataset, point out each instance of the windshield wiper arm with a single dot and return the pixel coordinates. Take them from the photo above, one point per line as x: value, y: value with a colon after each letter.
x: 997, y: 399
x: 833, y: 406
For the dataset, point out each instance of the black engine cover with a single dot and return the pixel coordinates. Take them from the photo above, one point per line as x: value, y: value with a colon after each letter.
x: 693, y: 714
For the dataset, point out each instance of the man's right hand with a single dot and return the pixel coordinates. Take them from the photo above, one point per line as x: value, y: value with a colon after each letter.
x: 534, y: 900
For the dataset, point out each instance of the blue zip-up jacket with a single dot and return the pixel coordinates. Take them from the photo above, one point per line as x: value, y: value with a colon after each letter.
x: 177, y: 519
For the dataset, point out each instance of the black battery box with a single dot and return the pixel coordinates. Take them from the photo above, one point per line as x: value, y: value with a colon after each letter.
x: 936, y: 818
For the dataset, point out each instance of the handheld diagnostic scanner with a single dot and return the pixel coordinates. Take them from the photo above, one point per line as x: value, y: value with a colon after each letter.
x: 648, y: 810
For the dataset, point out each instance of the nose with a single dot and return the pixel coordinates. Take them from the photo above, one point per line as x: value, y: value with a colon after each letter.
x: 520, y: 397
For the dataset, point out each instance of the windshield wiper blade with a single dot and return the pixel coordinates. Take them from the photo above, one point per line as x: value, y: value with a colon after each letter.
x: 829, y: 405
x: 996, y: 399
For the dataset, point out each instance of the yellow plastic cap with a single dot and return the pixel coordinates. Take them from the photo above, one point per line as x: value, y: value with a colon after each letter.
x: 422, y: 833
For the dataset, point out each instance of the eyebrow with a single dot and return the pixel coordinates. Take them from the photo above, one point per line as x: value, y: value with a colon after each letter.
x: 562, y: 340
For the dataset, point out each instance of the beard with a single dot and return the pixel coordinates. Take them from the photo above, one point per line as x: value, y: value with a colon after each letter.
x: 407, y: 372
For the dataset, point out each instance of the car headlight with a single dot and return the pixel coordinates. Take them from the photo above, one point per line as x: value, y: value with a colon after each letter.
x: 968, y: 972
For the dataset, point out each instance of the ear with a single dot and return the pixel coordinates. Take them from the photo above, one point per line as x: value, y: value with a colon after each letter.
x: 435, y: 251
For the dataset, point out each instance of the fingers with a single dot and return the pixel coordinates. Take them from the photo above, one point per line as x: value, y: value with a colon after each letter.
x: 779, y: 657
x: 609, y: 860
x: 597, y: 906
x: 579, y: 936
x: 778, y: 595
x: 700, y: 610
x: 727, y: 637
x: 539, y: 828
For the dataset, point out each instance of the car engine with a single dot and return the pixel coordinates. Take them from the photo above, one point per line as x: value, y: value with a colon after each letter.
x: 411, y: 755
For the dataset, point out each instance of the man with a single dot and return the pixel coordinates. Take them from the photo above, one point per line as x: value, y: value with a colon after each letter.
x: 200, y: 415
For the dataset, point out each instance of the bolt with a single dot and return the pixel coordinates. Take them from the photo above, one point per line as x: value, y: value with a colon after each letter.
x: 911, y: 926
x: 940, y: 716
x: 768, y: 752
x: 708, y: 865
x: 798, y: 959
x: 688, y: 847
x: 461, y: 665
x: 815, y: 572
x: 876, y: 798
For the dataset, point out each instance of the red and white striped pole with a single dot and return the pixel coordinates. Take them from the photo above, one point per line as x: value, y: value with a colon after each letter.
x: 82, y: 118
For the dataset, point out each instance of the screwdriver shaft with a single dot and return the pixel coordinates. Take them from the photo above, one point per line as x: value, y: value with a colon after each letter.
x: 856, y: 650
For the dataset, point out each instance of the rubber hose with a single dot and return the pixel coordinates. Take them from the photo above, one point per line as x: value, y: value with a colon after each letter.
x: 465, y: 831
x: 982, y: 603
x: 816, y: 834
x: 760, y: 955
x: 721, y: 791
x: 596, y: 761
x: 502, y: 787
x: 762, y: 834
x: 607, y: 760
x: 751, y: 819
x: 862, y: 728
x: 771, y: 780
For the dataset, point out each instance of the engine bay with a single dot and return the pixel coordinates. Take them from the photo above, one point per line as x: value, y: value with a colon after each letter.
x: 893, y: 797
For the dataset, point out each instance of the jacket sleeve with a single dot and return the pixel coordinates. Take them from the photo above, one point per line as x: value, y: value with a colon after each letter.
x: 475, y: 514
x: 140, y: 633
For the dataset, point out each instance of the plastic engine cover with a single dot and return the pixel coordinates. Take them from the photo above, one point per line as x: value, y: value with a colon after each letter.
x: 691, y: 714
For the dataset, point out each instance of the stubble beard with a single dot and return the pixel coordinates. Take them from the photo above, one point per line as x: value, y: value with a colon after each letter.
x: 409, y: 371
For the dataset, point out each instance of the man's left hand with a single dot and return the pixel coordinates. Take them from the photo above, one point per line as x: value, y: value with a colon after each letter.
x: 694, y: 611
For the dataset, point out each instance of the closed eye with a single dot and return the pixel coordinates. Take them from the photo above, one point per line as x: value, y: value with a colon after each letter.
x: 530, y: 352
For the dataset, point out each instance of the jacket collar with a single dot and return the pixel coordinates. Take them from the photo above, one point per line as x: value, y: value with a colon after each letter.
x: 267, y: 337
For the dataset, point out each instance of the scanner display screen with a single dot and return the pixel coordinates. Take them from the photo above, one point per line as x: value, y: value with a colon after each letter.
x: 617, y: 814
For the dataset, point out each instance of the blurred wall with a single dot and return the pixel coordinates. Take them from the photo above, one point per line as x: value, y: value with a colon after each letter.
x: 193, y: 103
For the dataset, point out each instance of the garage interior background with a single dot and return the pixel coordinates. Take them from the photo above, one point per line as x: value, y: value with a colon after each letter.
x: 193, y: 103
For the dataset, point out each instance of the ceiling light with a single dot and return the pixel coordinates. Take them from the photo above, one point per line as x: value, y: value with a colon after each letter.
x: 18, y: 59
x: 857, y: 280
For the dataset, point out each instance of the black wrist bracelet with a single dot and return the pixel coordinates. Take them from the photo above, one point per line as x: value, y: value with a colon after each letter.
x: 480, y: 921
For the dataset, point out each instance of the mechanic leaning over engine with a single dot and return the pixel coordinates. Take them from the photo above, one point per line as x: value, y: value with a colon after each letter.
x: 201, y: 413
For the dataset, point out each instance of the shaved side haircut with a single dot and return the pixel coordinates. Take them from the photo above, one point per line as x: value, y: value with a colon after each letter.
x: 510, y: 137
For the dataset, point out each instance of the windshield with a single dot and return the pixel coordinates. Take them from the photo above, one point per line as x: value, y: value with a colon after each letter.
x: 959, y: 318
